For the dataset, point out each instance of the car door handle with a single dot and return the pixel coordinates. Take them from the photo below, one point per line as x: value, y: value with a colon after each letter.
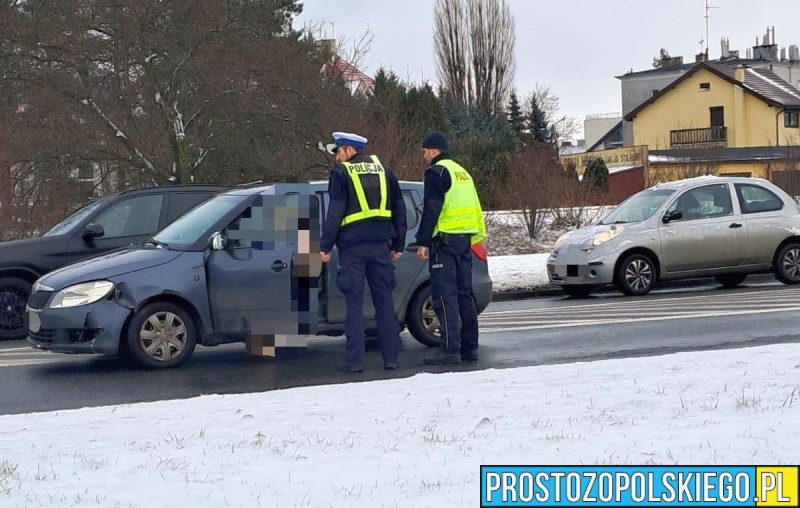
x: 277, y: 266
x: 735, y: 225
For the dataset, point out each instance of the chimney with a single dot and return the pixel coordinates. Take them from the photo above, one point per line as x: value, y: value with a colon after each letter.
x: 739, y: 73
x: 328, y: 49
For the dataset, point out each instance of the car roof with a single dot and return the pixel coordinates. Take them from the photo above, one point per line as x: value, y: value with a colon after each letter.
x: 167, y: 188
x: 316, y: 186
x: 708, y: 179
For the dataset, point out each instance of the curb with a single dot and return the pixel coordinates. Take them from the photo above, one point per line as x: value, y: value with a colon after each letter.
x: 546, y: 292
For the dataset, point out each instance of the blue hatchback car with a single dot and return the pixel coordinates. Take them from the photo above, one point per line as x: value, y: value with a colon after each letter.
x: 191, y: 285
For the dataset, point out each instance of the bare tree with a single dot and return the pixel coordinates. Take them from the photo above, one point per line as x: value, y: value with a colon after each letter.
x: 474, y: 46
x: 560, y: 126
x: 451, y: 46
x: 143, y: 92
x: 534, y: 166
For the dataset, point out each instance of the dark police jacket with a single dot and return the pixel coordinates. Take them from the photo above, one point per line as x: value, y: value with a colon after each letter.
x: 437, y: 183
x: 344, y: 201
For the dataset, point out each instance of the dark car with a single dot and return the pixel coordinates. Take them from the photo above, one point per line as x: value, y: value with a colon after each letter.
x: 104, y: 224
x: 193, y: 284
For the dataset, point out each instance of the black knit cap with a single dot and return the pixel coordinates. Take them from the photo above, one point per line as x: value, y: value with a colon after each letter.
x: 435, y: 140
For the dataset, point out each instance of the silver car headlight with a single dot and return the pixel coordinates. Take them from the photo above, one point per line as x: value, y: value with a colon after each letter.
x: 601, y: 238
x: 82, y: 294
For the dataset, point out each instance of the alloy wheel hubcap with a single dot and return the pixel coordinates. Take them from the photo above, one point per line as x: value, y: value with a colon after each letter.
x: 12, y: 309
x: 429, y: 319
x: 791, y: 264
x: 163, y: 336
x: 638, y: 275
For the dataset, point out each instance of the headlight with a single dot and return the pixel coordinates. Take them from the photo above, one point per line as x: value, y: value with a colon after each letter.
x: 605, y: 236
x: 82, y: 294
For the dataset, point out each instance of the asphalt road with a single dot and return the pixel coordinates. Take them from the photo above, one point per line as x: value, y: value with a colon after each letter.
x: 514, y: 334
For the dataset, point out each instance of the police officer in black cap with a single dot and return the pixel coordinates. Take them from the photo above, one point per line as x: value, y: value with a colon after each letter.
x: 452, y: 221
x: 367, y: 222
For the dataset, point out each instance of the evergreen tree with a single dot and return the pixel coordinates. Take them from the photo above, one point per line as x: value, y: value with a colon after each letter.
x: 537, y: 122
x: 596, y: 174
x: 516, y: 118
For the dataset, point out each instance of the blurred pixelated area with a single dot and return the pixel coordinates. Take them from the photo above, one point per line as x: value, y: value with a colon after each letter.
x: 275, y: 222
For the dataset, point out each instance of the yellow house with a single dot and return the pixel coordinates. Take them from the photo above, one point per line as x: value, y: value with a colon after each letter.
x: 720, y: 119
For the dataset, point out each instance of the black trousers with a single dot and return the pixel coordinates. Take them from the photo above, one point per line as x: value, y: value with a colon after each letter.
x: 372, y: 262
x: 450, y: 266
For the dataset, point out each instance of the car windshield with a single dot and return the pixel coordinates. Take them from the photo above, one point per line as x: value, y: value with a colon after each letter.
x: 190, y: 228
x: 66, y: 225
x: 639, y: 207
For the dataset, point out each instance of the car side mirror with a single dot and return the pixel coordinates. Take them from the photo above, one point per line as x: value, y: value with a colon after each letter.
x: 217, y: 241
x: 671, y: 216
x: 93, y: 231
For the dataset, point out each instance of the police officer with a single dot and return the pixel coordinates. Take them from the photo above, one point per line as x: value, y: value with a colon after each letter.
x: 452, y: 221
x: 366, y: 220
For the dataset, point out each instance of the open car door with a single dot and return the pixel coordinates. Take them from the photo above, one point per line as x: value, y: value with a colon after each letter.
x: 260, y: 282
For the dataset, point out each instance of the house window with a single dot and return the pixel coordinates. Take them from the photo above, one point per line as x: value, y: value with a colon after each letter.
x: 791, y: 119
x: 705, y: 87
x: 717, y: 116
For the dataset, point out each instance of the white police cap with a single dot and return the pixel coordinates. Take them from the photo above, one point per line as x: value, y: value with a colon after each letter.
x: 346, y: 138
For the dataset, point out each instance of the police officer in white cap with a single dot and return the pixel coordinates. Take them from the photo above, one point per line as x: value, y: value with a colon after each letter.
x: 366, y: 220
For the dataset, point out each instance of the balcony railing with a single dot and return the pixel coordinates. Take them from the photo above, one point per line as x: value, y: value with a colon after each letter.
x: 707, y: 136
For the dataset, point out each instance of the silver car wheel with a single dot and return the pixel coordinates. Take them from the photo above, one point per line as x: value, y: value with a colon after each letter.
x: 638, y: 275
x: 163, y: 336
x: 791, y: 264
x: 429, y: 319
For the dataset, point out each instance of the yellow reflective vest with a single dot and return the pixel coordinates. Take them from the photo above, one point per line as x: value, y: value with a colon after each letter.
x: 354, y: 170
x: 461, y: 212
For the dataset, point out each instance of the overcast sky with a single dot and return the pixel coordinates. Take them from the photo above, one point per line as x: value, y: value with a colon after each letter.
x: 576, y: 47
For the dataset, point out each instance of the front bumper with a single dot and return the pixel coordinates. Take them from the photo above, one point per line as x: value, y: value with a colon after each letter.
x: 89, y: 329
x: 575, y: 267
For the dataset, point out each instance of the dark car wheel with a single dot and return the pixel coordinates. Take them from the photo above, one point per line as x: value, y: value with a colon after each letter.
x: 787, y: 264
x: 731, y: 280
x: 636, y: 275
x: 421, y: 319
x: 578, y: 291
x: 14, y: 294
x: 161, y: 335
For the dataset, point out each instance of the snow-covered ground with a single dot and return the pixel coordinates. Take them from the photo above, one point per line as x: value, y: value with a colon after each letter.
x: 518, y: 273
x: 415, y: 441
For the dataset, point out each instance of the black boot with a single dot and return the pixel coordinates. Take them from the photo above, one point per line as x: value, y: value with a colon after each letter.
x: 443, y: 359
x: 350, y: 369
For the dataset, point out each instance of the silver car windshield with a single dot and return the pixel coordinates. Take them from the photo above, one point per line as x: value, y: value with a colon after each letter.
x: 191, y: 227
x: 639, y: 207
x: 66, y: 225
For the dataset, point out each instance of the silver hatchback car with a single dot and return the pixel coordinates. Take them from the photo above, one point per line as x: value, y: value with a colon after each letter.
x: 725, y: 227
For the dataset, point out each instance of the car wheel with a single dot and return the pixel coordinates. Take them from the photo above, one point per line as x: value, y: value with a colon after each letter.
x: 578, y: 291
x: 787, y: 264
x: 14, y: 294
x: 636, y: 275
x: 731, y: 280
x: 421, y: 319
x: 161, y: 335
